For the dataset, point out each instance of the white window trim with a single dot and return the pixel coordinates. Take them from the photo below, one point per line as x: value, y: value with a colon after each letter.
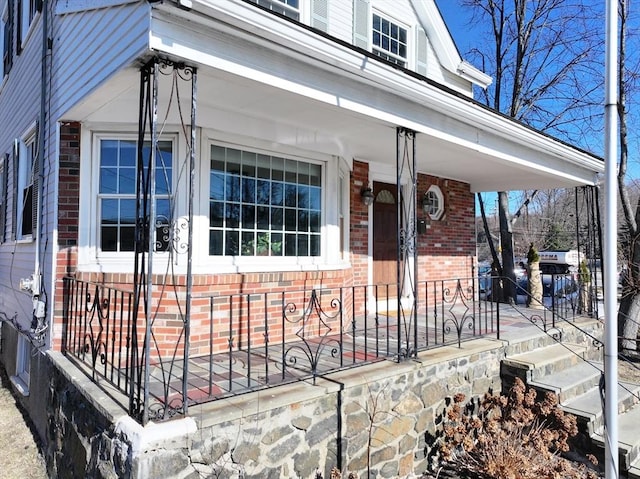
x: 300, y: 9
x: 4, y: 18
x: 26, y: 28
x: 435, y: 189
x: 22, y: 379
x: 330, y: 258
x: 410, y: 58
x: 90, y: 258
x: 26, y: 141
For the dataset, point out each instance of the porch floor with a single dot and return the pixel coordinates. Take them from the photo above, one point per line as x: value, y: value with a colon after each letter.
x: 215, y: 376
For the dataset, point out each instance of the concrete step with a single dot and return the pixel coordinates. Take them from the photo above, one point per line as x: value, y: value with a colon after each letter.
x: 536, y: 364
x: 571, y: 382
x: 628, y: 439
x: 588, y: 407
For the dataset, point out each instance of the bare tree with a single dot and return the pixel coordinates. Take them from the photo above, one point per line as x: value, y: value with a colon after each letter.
x: 539, y: 55
x: 629, y: 312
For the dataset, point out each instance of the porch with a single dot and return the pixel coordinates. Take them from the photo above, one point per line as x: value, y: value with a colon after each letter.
x: 235, y: 344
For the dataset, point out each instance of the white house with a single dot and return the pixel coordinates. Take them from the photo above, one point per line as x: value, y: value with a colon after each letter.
x: 273, y: 145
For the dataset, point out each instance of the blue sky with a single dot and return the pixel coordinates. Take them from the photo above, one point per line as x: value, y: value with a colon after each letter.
x: 457, y: 19
x: 466, y: 35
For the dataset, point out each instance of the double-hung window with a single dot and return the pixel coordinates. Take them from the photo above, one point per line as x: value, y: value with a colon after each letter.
x: 263, y: 205
x: 25, y: 184
x: 117, y: 193
x: 4, y: 169
x: 27, y: 12
x: 22, y: 378
x: 389, y: 40
x: 5, y: 38
x: 288, y: 8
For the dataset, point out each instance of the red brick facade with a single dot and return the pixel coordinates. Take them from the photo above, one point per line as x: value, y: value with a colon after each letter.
x: 447, y: 250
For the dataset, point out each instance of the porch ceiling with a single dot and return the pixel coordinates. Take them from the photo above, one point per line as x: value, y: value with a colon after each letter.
x: 347, y: 105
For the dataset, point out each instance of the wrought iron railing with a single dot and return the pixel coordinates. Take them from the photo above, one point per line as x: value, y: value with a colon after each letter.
x: 244, y: 342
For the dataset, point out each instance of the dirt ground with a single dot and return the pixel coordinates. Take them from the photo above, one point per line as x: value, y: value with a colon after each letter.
x: 20, y: 457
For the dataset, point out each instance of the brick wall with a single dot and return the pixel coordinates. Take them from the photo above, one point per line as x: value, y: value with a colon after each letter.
x: 359, y: 223
x: 447, y: 250
x: 68, y: 184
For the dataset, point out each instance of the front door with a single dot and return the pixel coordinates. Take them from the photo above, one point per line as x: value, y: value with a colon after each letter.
x: 385, y: 237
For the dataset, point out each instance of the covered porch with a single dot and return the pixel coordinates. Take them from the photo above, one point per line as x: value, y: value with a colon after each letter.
x: 258, y: 341
x: 174, y: 311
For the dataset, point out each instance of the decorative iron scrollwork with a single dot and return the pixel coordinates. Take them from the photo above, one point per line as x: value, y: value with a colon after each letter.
x: 314, y: 332
x: 459, y: 316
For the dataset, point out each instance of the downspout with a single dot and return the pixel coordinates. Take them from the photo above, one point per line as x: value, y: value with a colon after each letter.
x: 609, y: 265
x: 38, y: 325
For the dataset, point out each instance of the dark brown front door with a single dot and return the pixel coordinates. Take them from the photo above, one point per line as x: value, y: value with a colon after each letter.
x: 385, y: 235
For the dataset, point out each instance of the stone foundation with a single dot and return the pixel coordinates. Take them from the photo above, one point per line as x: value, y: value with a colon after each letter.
x: 382, y: 418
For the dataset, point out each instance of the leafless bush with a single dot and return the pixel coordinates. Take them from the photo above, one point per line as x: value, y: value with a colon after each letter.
x: 511, y: 436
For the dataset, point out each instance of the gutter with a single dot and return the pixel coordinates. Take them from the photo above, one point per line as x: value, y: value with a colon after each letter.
x: 332, y: 53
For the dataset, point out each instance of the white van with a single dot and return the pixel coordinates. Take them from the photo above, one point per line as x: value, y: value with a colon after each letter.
x: 560, y: 262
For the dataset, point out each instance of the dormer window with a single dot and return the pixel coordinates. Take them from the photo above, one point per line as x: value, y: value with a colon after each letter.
x: 389, y: 40
x: 288, y: 8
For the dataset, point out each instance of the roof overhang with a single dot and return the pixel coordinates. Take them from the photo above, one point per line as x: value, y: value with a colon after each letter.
x: 265, y: 77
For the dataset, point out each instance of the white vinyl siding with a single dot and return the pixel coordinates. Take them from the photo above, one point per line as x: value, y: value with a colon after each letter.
x: 111, y: 39
x: 19, y: 101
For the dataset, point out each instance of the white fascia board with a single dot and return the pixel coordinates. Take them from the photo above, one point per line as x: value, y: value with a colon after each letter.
x: 431, y: 20
x: 480, y: 145
x: 429, y: 17
x: 250, y: 24
x: 73, y: 6
x: 470, y: 73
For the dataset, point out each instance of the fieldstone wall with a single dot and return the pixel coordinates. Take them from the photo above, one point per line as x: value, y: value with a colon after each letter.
x: 378, y: 421
x: 380, y: 418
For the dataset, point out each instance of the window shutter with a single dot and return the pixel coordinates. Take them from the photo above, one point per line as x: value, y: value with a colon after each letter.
x: 3, y: 197
x: 8, y: 39
x: 422, y: 51
x: 35, y: 190
x: 14, y: 211
x: 320, y: 15
x: 361, y: 23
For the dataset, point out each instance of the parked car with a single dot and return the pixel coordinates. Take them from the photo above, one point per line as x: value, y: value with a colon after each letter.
x: 485, y: 283
x: 558, y: 290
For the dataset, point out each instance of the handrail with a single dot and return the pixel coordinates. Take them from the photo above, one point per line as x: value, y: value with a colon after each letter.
x: 557, y: 336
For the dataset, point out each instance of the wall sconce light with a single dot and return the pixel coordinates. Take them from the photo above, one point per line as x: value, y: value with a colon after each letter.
x: 367, y: 196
